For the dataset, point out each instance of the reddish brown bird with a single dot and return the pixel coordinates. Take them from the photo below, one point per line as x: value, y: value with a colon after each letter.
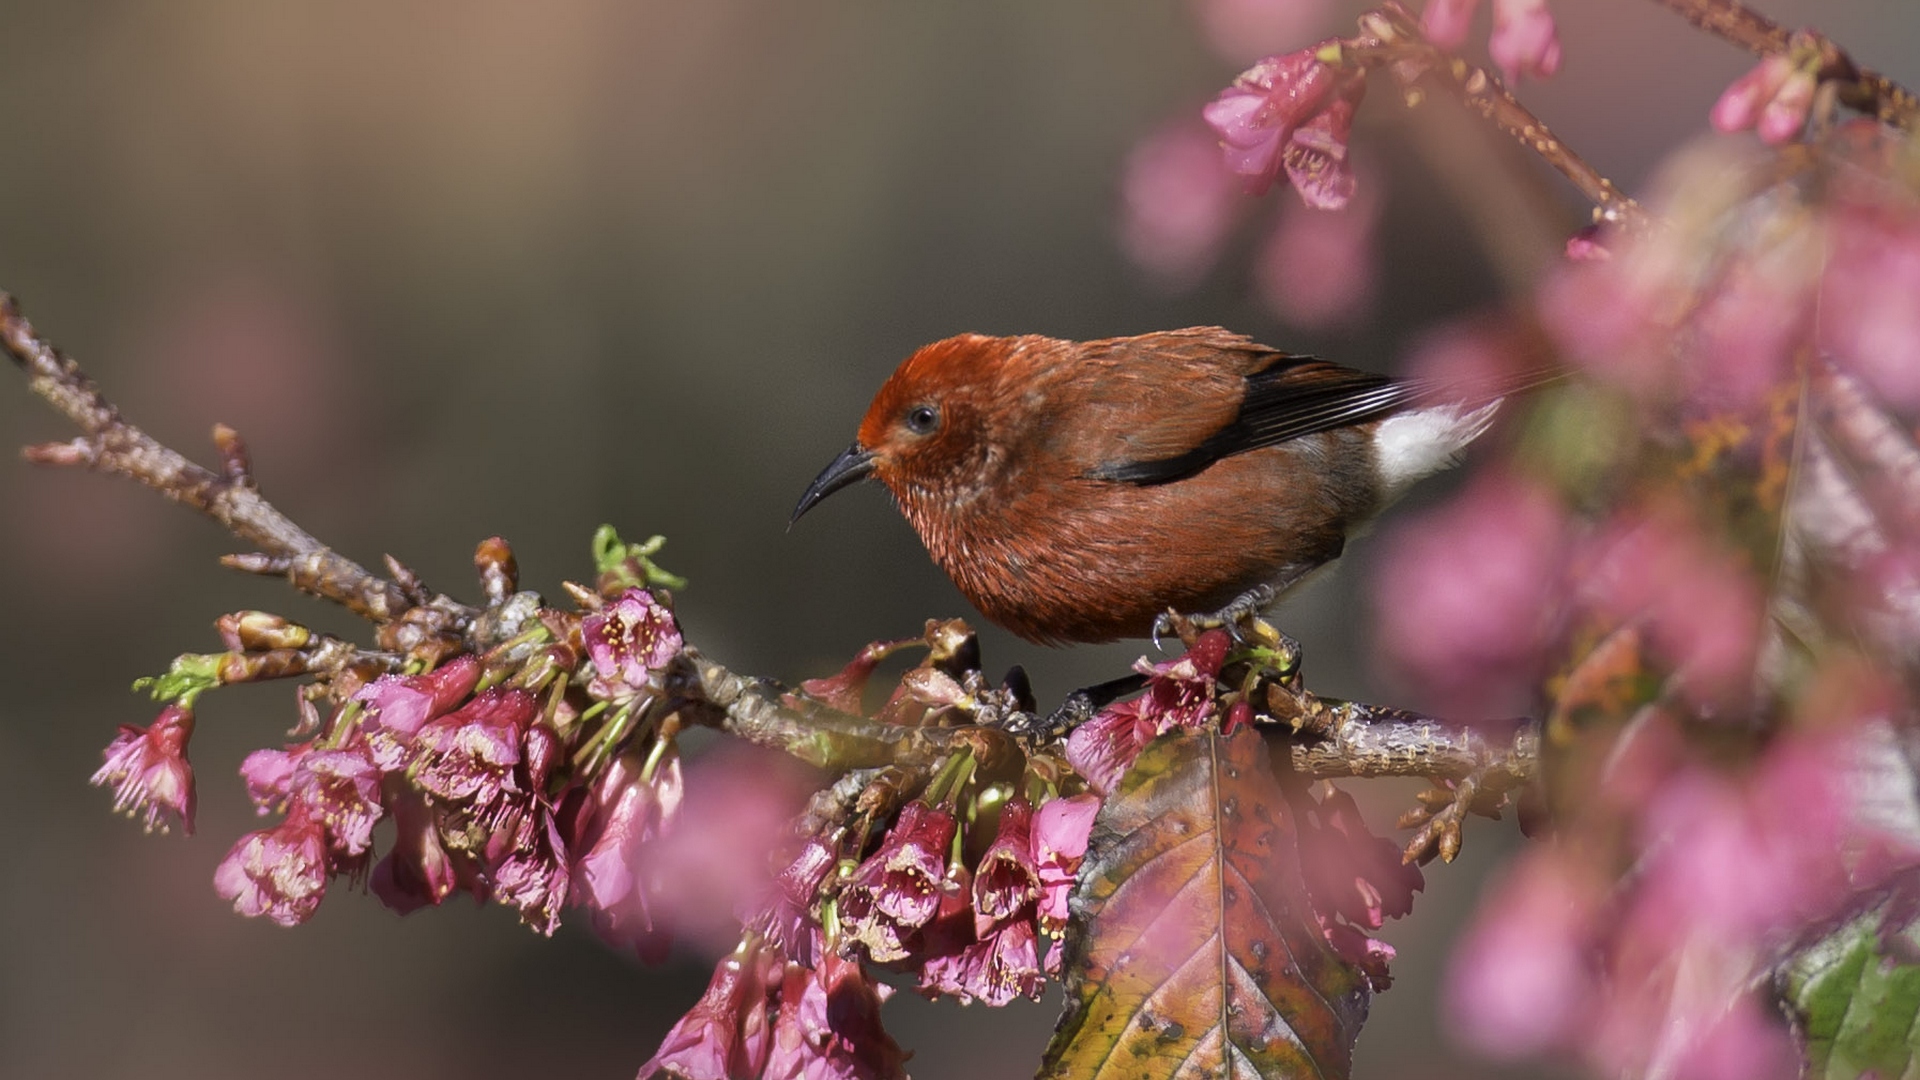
x: 1075, y: 491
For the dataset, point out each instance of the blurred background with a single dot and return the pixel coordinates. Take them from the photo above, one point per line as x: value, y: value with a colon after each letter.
x: 464, y: 269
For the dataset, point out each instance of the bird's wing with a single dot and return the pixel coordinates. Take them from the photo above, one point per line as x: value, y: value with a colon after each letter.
x: 1287, y: 398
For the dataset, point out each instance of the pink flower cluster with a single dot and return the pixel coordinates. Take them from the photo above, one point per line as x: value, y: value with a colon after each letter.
x: 784, y: 1004
x: 480, y: 783
x: 149, y: 771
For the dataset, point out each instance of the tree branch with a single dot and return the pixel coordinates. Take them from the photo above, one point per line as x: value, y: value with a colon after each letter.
x: 1861, y: 88
x: 1390, y: 37
x: 111, y: 445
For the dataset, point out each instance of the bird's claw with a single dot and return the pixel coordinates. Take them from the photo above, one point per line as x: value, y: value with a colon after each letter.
x: 1240, y: 618
x: 1443, y: 811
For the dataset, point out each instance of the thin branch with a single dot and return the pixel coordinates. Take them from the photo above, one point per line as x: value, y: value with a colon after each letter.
x: 1861, y: 88
x: 111, y: 445
x: 1390, y: 37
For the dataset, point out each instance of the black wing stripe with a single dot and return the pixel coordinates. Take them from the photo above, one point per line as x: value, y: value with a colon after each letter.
x: 1274, y: 412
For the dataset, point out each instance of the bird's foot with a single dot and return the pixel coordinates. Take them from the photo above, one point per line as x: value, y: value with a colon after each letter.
x: 1444, y: 808
x: 1240, y: 618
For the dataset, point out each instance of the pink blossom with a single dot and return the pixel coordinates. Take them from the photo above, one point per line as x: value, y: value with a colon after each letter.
x: 1060, y: 832
x: 828, y: 1026
x: 898, y: 889
x: 342, y: 789
x: 1316, y: 154
x: 1742, y: 1044
x: 1179, y: 694
x: 279, y: 872
x: 1007, y: 879
x: 419, y: 872
x: 725, y: 1034
x: 530, y: 874
x: 470, y: 753
x: 625, y: 812
x: 1525, y: 41
x: 398, y: 705
x: 1317, y: 270
x: 149, y: 771
x: 1257, y: 116
x: 1177, y: 202
x: 1521, y: 981
x: 1466, y: 597
x: 1446, y: 22
x: 1102, y: 749
x: 631, y: 641
x: 787, y: 917
x: 269, y: 776
x: 1867, y: 315
x: 1002, y: 964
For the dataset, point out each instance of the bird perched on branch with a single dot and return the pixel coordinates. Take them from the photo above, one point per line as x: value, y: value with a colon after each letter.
x: 1078, y: 491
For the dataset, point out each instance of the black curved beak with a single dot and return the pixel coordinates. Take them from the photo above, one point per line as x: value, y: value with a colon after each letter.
x: 853, y: 465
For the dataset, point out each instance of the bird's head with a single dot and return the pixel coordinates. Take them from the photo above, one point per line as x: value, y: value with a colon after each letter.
x: 928, y: 436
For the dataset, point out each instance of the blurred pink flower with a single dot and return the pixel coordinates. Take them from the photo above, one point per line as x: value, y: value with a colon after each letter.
x: 1177, y: 202
x: 1350, y: 872
x: 1703, y: 611
x: 1774, y: 98
x: 1446, y: 22
x: 1744, y: 101
x: 1317, y: 269
x: 149, y: 771
x: 1868, y: 317
x: 279, y: 872
x: 1060, y: 832
x: 631, y: 641
x: 1241, y: 31
x: 1468, y: 595
x: 1522, y: 980
x: 1603, y: 315
x: 1746, y: 330
x: 1525, y: 42
x: 726, y: 1033
x: 712, y: 864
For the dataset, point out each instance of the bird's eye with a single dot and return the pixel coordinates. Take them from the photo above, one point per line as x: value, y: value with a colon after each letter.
x: 923, y: 419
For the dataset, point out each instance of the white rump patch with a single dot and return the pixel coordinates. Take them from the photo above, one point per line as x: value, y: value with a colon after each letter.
x: 1414, y: 445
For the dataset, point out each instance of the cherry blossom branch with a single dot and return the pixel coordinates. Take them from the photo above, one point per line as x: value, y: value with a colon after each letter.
x: 1324, y: 738
x: 1391, y: 37
x: 1861, y: 88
